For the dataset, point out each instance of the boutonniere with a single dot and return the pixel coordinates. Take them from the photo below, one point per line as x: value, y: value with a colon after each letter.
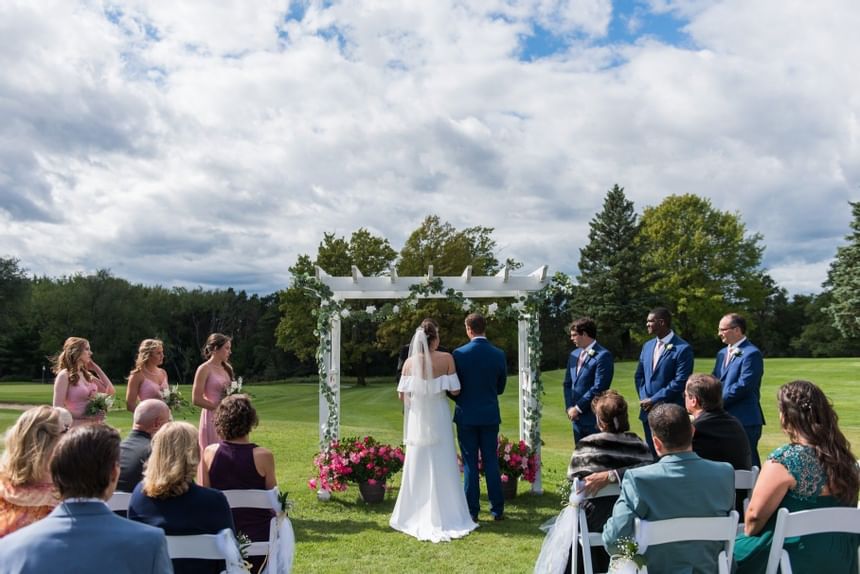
x: 669, y: 347
x: 737, y: 353
x: 591, y: 352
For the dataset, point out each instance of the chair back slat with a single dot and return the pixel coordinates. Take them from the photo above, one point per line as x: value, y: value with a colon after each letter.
x: 119, y: 501
x: 251, y: 498
x: 715, y: 528
x: 200, y: 546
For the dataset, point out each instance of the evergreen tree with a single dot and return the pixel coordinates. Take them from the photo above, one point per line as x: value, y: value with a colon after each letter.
x: 844, y: 281
x: 613, y: 281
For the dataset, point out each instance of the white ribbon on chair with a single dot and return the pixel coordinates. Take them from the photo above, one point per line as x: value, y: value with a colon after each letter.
x: 229, y: 548
x: 282, y: 546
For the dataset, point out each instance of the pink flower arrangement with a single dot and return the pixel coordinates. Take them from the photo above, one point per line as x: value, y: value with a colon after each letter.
x: 516, y: 460
x: 354, y: 459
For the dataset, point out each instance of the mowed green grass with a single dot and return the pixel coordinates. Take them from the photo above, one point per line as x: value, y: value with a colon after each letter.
x: 346, y: 535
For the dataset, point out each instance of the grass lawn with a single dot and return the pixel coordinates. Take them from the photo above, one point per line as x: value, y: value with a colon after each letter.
x: 346, y: 535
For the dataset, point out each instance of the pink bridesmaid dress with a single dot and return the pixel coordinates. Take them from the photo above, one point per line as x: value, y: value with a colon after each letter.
x: 151, y: 390
x: 77, y: 397
x: 214, y: 388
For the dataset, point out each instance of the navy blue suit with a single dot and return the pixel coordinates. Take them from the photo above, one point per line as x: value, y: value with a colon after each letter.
x: 593, y: 378
x: 742, y: 390
x: 664, y: 383
x: 482, y: 371
x: 200, y: 510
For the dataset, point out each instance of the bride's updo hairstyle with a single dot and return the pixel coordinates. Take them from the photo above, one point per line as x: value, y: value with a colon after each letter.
x: 431, y: 330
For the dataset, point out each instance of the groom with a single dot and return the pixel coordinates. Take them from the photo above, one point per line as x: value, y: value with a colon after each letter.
x: 482, y: 373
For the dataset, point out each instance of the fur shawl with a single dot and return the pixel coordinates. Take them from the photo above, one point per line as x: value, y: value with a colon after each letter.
x: 607, y: 451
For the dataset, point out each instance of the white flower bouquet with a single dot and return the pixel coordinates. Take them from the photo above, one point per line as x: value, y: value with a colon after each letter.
x: 99, y: 404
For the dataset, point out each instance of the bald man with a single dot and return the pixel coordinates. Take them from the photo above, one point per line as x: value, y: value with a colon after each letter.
x: 134, y: 450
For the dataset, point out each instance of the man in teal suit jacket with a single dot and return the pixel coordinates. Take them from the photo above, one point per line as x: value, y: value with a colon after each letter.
x: 82, y: 534
x: 482, y: 371
x: 740, y: 367
x: 679, y: 485
x: 665, y: 364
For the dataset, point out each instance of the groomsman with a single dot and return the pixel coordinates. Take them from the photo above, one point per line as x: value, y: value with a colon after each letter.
x: 589, y: 372
x: 665, y: 363
x: 740, y: 367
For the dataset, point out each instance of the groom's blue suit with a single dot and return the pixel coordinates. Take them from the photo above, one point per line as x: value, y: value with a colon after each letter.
x: 482, y: 371
x: 85, y: 537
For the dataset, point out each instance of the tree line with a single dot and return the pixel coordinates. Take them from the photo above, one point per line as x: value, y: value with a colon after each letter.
x: 683, y: 254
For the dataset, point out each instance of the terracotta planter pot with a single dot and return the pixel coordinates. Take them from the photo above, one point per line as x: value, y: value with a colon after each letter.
x: 372, y: 493
x: 509, y: 488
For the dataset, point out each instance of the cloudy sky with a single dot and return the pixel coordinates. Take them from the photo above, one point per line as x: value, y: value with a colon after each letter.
x: 209, y: 143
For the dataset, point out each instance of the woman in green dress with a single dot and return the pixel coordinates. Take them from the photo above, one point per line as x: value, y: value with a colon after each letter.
x: 815, y: 470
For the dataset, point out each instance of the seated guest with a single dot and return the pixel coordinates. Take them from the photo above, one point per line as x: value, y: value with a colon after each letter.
x: 168, y: 498
x: 816, y: 469
x: 612, y: 447
x: 149, y: 415
x: 26, y: 491
x: 81, y: 534
x: 679, y: 485
x: 236, y: 463
x: 717, y: 435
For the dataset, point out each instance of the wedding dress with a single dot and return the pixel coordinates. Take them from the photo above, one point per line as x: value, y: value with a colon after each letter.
x: 431, y: 504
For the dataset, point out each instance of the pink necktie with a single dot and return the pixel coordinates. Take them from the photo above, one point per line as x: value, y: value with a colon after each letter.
x: 658, y: 349
x: 728, y: 356
x: 579, y: 363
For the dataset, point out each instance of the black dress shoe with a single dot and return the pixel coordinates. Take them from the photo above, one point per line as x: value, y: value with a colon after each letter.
x: 498, y: 517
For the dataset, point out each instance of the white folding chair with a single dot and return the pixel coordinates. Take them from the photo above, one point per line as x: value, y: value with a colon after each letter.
x: 803, y: 523
x: 745, y: 480
x: 198, y: 546
x: 581, y: 535
x: 119, y: 501
x: 265, y: 499
x: 716, y: 528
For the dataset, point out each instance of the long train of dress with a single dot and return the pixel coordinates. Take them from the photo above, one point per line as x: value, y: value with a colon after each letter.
x: 431, y: 504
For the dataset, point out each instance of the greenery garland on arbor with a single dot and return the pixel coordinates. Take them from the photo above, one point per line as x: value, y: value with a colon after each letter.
x: 526, y: 308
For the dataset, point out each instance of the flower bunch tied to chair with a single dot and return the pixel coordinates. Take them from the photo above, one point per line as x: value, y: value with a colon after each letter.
x: 361, y: 460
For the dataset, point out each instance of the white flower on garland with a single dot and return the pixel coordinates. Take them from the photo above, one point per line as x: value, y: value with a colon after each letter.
x: 344, y: 313
x: 370, y: 309
x: 467, y: 305
x: 395, y: 309
x: 492, y: 308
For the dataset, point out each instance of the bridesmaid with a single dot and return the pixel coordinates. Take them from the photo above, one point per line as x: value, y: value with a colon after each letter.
x: 211, y: 382
x: 78, y: 378
x: 147, y: 379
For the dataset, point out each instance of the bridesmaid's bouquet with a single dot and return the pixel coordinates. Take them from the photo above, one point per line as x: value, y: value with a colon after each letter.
x: 99, y: 404
x: 173, y: 397
x: 235, y: 388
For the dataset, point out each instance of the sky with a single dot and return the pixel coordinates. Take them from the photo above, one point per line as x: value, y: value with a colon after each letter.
x: 201, y: 143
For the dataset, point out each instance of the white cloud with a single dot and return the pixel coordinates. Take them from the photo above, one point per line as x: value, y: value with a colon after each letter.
x: 186, y: 143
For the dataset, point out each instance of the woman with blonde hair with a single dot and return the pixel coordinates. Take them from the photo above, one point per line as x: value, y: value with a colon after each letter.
x: 816, y: 469
x: 169, y: 499
x: 211, y: 382
x: 78, y: 379
x: 26, y: 491
x: 147, y: 380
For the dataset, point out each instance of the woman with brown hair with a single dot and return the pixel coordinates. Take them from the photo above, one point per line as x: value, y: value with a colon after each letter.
x: 26, y: 491
x: 211, y: 382
x: 169, y: 499
x: 236, y: 463
x: 147, y: 380
x: 612, y: 449
x: 78, y: 379
x: 816, y: 469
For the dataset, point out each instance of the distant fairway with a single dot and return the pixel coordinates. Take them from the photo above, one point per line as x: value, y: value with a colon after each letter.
x: 345, y: 535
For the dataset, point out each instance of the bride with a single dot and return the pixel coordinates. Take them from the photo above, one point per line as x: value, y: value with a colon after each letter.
x: 431, y: 504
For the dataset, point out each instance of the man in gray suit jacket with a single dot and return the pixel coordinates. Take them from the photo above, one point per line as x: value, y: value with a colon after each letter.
x: 82, y: 534
x: 679, y: 485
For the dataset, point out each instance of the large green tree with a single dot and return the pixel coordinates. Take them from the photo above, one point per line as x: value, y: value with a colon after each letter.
x: 706, y: 264
x: 843, y: 279
x: 613, y: 275
x: 373, y: 255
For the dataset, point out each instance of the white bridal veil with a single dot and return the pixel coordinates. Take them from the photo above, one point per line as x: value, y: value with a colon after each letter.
x: 419, y: 400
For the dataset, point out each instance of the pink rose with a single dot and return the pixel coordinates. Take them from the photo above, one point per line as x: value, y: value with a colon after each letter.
x: 505, y: 478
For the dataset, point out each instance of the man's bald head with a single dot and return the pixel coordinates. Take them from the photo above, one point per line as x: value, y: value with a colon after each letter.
x: 150, y: 415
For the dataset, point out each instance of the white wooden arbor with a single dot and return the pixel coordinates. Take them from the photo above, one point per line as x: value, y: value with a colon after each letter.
x: 503, y: 284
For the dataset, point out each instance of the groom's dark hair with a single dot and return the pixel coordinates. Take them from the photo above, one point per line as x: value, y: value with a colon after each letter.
x: 476, y: 323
